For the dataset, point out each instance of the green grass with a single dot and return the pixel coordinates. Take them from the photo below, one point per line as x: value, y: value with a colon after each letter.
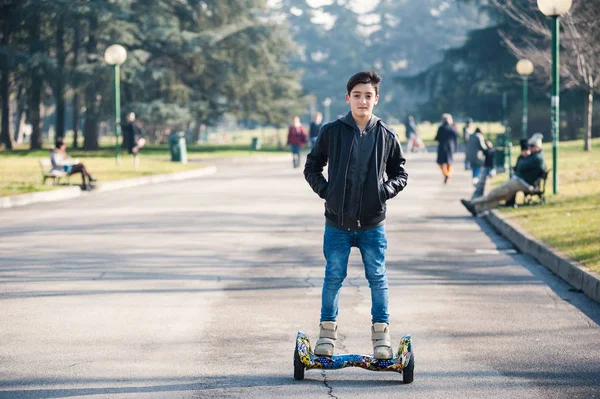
x: 570, y: 222
x: 20, y: 172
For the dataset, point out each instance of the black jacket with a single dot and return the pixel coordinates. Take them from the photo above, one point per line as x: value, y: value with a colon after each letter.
x: 448, y: 138
x: 364, y: 171
x: 531, y: 167
x: 131, y: 134
x: 315, y: 128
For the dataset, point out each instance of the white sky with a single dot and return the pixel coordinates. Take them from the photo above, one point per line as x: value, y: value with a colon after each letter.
x: 360, y: 6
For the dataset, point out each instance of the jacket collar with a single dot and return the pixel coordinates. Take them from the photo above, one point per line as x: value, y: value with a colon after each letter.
x: 348, y: 119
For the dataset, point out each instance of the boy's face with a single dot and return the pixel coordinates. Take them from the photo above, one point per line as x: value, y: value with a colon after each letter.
x: 362, y: 99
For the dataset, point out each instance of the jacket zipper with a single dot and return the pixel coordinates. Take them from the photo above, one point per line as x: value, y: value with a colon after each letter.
x: 363, y: 191
x: 360, y: 207
x: 346, y: 178
x: 363, y: 188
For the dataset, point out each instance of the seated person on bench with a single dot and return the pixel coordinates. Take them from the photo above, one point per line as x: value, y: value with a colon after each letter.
x: 525, y: 152
x: 528, y: 171
x: 511, y: 202
x: 61, y: 162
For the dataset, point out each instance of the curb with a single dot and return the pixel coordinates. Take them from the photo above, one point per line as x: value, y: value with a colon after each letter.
x: 263, y: 159
x: 580, y: 277
x: 72, y: 192
x: 42, y: 196
x: 154, y: 179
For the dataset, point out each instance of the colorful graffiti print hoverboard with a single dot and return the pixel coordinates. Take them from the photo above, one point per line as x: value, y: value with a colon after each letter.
x: 402, y: 362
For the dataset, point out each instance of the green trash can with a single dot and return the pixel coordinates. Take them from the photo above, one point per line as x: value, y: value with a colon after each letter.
x: 177, y: 147
x: 500, y: 155
x: 255, y: 144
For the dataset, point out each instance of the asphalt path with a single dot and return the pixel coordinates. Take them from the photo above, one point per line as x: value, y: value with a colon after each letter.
x: 197, y: 289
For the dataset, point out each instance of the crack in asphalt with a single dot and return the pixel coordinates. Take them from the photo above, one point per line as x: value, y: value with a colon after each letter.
x: 329, y: 388
x: 307, y: 281
x: 100, y: 276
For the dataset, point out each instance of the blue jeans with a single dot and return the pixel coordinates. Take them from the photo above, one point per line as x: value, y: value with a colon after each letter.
x: 476, y: 170
x: 295, y: 155
x: 372, y: 244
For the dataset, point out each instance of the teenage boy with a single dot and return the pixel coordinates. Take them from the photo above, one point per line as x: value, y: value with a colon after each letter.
x: 365, y: 169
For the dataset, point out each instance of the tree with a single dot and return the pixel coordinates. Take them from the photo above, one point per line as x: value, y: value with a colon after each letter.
x: 201, y: 60
x: 580, y: 42
x: 92, y: 95
x: 409, y: 37
x: 7, y: 29
x: 189, y: 61
x: 468, y: 81
x: 36, y: 51
x: 74, y: 81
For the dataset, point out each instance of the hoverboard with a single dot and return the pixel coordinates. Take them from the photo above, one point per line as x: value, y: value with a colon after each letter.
x: 403, y: 362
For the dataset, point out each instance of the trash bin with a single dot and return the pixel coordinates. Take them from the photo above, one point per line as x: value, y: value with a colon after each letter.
x: 177, y: 147
x: 255, y: 143
x: 500, y: 155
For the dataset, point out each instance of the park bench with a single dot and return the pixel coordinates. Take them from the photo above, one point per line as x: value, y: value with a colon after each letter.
x: 539, y: 190
x: 55, y: 175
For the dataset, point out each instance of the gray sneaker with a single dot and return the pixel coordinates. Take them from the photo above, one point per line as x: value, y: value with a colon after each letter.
x: 327, y: 337
x: 382, y: 347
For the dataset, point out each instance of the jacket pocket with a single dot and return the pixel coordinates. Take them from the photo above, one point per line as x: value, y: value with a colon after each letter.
x: 324, y: 191
x: 331, y: 199
x: 383, y: 195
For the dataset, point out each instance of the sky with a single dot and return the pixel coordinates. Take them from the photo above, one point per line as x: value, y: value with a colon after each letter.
x: 360, y: 6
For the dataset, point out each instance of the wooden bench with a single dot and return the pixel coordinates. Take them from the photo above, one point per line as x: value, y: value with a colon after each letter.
x: 48, y: 173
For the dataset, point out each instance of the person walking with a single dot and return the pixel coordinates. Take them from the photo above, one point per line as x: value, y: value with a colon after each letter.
x: 414, y: 142
x: 365, y: 169
x: 411, y: 127
x: 297, y: 139
x: 487, y: 172
x: 467, y: 132
x: 525, y: 152
x: 447, y: 137
x: 476, y: 149
x: 132, y: 137
x: 315, y: 127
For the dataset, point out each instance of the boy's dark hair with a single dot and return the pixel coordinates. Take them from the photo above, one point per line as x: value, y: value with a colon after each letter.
x: 364, y: 77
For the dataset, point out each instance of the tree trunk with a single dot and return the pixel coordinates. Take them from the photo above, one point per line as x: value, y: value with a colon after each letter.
x: 4, y: 82
x: 196, y: 131
x: 76, y: 100
x: 59, y: 95
x: 35, y: 91
x: 587, y: 141
x: 18, y: 120
x: 6, y: 136
x: 90, y: 128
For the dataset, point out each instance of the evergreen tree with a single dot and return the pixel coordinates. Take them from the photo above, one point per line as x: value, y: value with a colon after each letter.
x: 188, y: 61
x: 412, y: 36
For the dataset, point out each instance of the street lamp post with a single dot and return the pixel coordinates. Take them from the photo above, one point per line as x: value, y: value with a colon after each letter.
x: 554, y: 9
x: 116, y: 55
x: 326, y: 104
x: 524, y: 68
